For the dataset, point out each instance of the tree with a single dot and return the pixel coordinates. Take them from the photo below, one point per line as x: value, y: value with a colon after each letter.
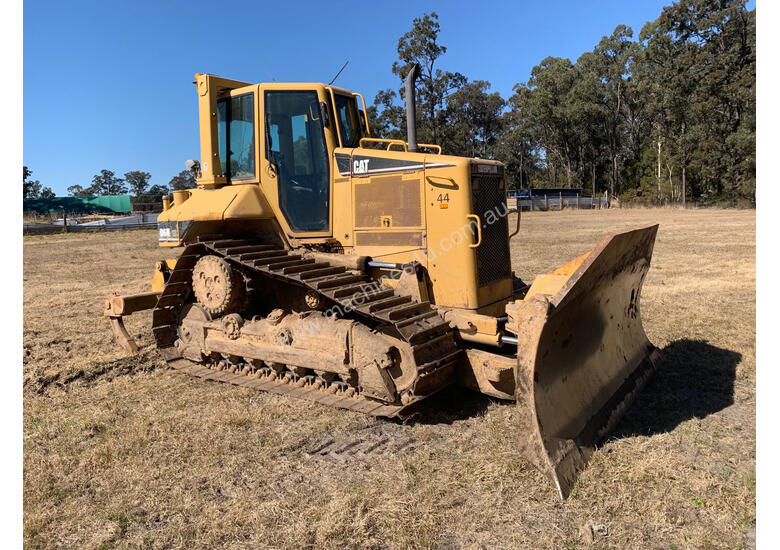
x: 78, y: 191
x: 138, y: 182
x: 697, y: 68
x: 420, y: 46
x: 474, y: 120
x: 546, y: 102
x: 106, y: 183
x: 157, y: 190
x: 687, y: 83
x: 389, y: 121
x: 588, y: 100
x: 183, y: 180
x: 518, y: 150
x: 47, y: 193
x: 31, y: 189
x: 612, y: 56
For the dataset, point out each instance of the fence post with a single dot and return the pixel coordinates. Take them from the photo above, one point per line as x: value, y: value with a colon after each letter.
x: 546, y: 203
x: 531, y: 198
x: 560, y: 200
x: 578, y: 201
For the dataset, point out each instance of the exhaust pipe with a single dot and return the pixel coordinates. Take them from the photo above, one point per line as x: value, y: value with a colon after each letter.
x: 411, y: 110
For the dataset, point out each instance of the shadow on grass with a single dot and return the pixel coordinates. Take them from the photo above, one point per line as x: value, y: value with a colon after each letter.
x: 693, y: 379
x: 452, y: 404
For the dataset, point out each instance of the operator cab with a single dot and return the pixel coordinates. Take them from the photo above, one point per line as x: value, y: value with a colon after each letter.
x: 295, y: 147
x: 282, y: 137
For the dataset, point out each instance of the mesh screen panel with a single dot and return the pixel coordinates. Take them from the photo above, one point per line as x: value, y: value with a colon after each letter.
x: 388, y: 196
x: 493, y: 254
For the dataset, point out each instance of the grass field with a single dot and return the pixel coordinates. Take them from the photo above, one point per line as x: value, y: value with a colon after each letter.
x: 121, y: 452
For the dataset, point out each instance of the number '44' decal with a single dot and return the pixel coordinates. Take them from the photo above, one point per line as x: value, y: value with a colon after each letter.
x: 443, y: 197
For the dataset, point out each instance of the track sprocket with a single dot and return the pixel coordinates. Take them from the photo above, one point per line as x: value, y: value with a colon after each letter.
x: 217, y: 286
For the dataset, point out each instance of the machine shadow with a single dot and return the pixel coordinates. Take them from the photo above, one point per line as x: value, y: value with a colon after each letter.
x: 452, y: 404
x: 693, y: 379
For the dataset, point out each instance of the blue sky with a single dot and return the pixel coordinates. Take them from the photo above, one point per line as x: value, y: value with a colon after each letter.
x: 109, y: 84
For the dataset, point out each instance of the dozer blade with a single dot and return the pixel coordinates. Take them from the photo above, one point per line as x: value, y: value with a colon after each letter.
x: 582, y: 353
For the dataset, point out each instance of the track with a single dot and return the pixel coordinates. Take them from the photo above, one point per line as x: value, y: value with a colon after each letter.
x: 417, y: 323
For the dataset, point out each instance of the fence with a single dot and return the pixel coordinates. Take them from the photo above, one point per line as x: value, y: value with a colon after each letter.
x: 557, y: 202
x: 137, y: 221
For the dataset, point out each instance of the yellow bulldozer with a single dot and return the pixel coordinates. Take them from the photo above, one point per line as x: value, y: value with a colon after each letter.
x: 319, y: 262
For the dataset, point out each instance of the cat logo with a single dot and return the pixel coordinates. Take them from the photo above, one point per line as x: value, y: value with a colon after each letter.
x: 360, y: 166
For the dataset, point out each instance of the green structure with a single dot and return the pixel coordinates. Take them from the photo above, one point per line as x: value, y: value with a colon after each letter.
x: 109, y: 204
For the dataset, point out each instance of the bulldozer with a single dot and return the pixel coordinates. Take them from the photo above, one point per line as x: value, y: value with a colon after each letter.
x: 320, y: 262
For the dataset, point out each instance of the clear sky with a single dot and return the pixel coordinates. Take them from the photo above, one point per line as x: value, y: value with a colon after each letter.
x: 109, y: 84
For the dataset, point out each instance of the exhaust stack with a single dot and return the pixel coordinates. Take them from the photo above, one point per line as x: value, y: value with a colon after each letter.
x: 411, y: 110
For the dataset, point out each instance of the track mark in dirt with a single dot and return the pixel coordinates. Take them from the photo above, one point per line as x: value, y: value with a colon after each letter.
x: 34, y: 351
x: 379, y: 441
x: 39, y: 380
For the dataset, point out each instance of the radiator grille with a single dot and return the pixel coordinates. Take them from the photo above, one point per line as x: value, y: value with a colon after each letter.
x: 489, y: 203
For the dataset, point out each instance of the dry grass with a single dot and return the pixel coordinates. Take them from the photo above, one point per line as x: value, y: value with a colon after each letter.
x: 122, y: 452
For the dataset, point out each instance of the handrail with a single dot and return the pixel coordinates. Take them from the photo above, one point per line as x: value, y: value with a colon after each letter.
x: 479, y: 230
x: 365, y: 111
x: 390, y: 142
x: 431, y: 146
x: 400, y: 143
x: 404, y: 145
x: 517, y: 228
x: 335, y: 114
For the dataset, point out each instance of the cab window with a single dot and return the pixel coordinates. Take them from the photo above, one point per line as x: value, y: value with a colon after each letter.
x: 349, y: 121
x: 236, y: 135
x: 295, y: 145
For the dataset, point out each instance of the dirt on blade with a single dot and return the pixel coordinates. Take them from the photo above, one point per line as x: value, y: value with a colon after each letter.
x: 124, y: 452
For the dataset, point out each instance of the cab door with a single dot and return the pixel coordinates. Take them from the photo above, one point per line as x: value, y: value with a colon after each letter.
x: 296, y: 160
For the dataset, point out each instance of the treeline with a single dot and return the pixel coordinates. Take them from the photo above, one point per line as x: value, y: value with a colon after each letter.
x: 666, y: 117
x: 136, y: 183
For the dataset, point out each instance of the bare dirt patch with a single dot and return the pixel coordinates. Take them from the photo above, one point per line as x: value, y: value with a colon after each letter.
x: 122, y: 452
